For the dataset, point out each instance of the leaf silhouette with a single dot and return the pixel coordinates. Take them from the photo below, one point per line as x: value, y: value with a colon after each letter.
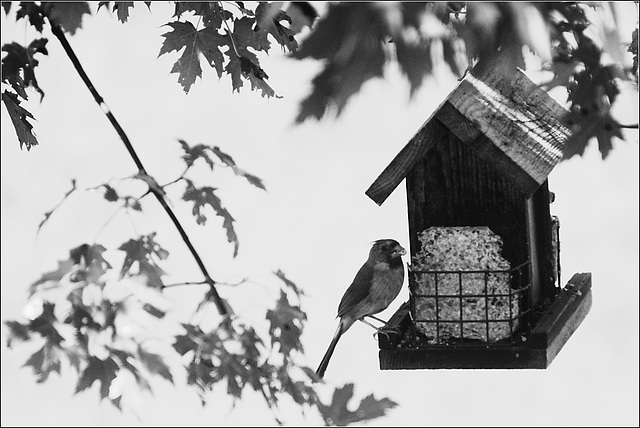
x: 299, y: 292
x: 20, y: 119
x: 142, y: 251
x: 17, y: 332
x: 103, y: 371
x: 286, y: 322
x: 67, y: 14
x: 45, y: 361
x: 349, y: 39
x: 205, y: 42
x: 120, y: 7
x: 269, y: 17
x: 155, y: 364
x: 204, y: 196
x: 337, y: 412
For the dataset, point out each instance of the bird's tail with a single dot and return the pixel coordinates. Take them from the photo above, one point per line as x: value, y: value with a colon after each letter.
x: 332, y: 346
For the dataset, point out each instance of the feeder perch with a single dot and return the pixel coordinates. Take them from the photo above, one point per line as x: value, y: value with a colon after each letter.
x: 484, y: 276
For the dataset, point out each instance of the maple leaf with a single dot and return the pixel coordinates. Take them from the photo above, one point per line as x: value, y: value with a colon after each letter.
x: 249, y: 339
x: 286, y: 325
x: 302, y: 15
x: 602, y: 127
x: 228, y: 160
x: 212, y: 13
x: 19, y: 117
x: 142, y: 251
x: 188, y: 341
x: 110, y: 193
x: 591, y: 94
x: 299, y: 391
x: 224, y: 157
x: 453, y: 54
x: 154, y: 364
x: 199, y: 374
x: 17, y: 332
x: 201, y: 151
x: 131, y: 202
x: 243, y: 63
x: 124, y: 357
x: 246, y: 66
x: 18, y: 66
x: 33, y: 12
x: 269, y: 17
x: 66, y: 14
x: 415, y: 61
x: 257, y: 77
x: 563, y: 71
x: 204, y: 196
x: 338, y: 414
x: 233, y: 69
x: 44, y: 324
x: 189, y: 6
x: 120, y: 7
x: 196, y: 152
x: 80, y: 318
x: 349, y: 39
x: 289, y: 283
x: 103, y: 371
x: 89, y: 256
x: 45, y: 361
x: 244, y: 36
x: 253, y: 180
x: 205, y: 42
x: 214, y: 361
x: 414, y: 49
x: 64, y: 267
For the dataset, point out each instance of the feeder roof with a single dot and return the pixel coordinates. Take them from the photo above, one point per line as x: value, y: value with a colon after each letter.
x: 503, y: 117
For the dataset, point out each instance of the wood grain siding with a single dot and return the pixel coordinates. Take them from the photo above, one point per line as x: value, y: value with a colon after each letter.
x: 483, y: 147
x: 453, y: 187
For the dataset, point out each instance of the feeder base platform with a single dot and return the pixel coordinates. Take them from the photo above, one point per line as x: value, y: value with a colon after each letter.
x: 542, y: 344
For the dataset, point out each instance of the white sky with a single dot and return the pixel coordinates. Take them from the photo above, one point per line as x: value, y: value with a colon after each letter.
x: 315, y: 223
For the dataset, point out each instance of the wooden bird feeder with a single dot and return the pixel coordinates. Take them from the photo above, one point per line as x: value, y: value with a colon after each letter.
x: 484, y: 277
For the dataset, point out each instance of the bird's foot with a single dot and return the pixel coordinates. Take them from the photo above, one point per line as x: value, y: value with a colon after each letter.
x: 386, y: 330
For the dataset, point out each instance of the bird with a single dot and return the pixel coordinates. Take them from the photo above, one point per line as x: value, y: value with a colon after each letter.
x: 375, y: 286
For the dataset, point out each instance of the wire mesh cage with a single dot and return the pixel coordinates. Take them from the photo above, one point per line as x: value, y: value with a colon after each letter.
x: 471, y: 307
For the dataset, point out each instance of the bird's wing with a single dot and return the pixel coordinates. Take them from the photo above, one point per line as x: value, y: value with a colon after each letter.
x: 357, y: 291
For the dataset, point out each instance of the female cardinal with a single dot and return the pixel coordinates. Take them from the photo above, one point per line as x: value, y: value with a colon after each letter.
x: 376, y: 285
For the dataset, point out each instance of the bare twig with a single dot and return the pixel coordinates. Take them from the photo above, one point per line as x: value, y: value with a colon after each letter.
x: 177, y: 179
x: 179, y: 284
x: 59, y: 33
x: 48, y: 214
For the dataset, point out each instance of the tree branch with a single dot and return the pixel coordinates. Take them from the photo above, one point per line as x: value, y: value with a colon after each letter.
x: 59, y: 33
x: 634, y: 126
x: 178, y: 284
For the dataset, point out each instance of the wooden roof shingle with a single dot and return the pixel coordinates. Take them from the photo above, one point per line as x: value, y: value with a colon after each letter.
x: 504, y: 117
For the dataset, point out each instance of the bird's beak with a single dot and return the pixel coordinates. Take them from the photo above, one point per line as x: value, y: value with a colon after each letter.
x: 401, y: 251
